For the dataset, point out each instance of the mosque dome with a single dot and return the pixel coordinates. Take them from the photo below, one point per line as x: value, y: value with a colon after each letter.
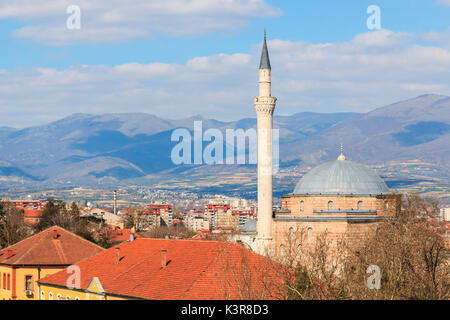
x: 341, y: 177
x: 249, y: 226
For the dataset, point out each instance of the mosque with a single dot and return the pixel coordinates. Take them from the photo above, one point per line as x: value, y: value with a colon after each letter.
x: 340, y: 197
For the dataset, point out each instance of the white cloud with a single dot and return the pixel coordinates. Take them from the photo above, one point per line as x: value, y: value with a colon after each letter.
x: 371, y: 70
x: 444, y: 2
x: 115, y: 21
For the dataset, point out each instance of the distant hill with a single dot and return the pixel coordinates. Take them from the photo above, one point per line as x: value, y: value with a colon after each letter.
x: 418, y: 128
x: 111, y: 148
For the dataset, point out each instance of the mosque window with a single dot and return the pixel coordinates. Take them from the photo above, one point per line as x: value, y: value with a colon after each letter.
x: 302, y: 205
x: 330, y: 205
x: 360, y: 205
x: 282, y: 251
x: 291, y: 233
x: 309, y: 233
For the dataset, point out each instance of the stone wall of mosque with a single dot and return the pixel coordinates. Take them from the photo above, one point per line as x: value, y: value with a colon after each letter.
x: 306, y: 217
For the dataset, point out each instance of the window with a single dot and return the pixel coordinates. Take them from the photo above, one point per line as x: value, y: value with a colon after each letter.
x: 9, y: 282
x: 291, y: 234
x: 282, y: 251
x: 330, y: 205
x: 4, y: 280
x: 42, y: 295
x: 386, y: 205
x: 59, y: 297
x: 50, y: 296
x: 302, y: 206
x: 309, y: 233
x: 360, y: 203
x: 77, y: 298
x: 67, y: 297
x: 28, y: 282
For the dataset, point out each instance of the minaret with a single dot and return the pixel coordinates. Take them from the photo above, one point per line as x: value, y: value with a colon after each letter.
x: 264, y: 105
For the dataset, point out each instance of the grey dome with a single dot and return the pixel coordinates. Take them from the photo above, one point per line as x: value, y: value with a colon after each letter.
x: 249, y: 226
x: 341, y: 177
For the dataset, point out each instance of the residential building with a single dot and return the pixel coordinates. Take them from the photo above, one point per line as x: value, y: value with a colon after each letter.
x: 26, y: 262
x: 164, y: 211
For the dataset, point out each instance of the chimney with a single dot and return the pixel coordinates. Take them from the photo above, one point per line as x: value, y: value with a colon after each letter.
x: 117, y: 255
x: 55, y: 234
x: 163, y: 258
x: 9, y: 253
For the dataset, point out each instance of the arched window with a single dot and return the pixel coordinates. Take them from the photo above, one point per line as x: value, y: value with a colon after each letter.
x: 330, y: 205
x: 67, y: 297
x: 309, y: 233
x: 386, y: 205
x: 360, y: 205
x: 59, y: 296
x: 282, y: 251
x: 291, y: 233
x: 302, y: 205
x: 50, y: 295
x: 77, y: 298
x: 42, y: 295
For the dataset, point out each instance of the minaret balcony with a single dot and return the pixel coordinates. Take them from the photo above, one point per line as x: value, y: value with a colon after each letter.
x: 265, y: 100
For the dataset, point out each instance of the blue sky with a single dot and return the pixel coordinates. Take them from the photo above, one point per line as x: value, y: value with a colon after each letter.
x: 143, y: 55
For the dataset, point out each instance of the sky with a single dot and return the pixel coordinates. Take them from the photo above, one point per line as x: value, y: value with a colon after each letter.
x: 179, y: 58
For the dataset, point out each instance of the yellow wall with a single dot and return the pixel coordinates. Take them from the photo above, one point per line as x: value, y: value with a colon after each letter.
x: 21, y: 272
x: 74, y: 294
x: 20, y: 280
x: 4, y: 293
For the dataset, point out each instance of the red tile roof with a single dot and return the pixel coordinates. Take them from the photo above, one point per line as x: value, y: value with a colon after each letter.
x: 43, y: 249
x: 198, y: 270
x: 121, y: 234
x: 32, y: 213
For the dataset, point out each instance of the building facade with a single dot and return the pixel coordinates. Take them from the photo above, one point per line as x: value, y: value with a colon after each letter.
x: 28, y: 261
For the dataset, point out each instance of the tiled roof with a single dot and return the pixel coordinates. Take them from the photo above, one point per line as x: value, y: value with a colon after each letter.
x: 32, y: 213
x: 194, y: 270
x: 43, y: 249
x: 121, y: 234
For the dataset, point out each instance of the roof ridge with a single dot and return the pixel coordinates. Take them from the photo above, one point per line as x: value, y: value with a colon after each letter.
x: 75, y: 235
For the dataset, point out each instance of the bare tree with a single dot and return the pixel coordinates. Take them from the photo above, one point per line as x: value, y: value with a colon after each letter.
x: 246, y: 275
x: 12, y: 226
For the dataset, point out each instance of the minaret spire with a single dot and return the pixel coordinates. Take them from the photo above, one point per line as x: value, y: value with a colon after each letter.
x: 265, y: 61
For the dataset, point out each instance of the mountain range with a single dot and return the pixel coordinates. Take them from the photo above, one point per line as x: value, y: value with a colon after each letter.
x: 132, y: 148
